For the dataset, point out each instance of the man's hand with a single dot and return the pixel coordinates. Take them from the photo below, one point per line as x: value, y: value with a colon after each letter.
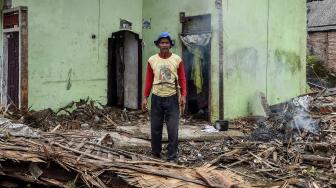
x: 144, y: 104
x: 182, y: 102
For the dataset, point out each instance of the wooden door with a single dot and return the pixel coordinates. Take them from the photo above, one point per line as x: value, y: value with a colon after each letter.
x: 131, y: 62
x: 125, y: 70
x: 13, y: 75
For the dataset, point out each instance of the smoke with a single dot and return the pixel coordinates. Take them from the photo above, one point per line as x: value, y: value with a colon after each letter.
x: 288, y: 118
x: 301, y: 119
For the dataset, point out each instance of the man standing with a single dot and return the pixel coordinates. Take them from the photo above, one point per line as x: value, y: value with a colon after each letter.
x: 165, y: 73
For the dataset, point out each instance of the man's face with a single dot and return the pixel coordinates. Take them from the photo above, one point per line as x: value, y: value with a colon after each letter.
x: 164, y: 44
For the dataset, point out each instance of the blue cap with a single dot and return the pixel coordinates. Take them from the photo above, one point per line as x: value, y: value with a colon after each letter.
x: 164, y: 35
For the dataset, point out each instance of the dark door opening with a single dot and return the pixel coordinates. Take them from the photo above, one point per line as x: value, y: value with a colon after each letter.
x: 196, y: 53
x: 13, y: 75
x: 124, y: 70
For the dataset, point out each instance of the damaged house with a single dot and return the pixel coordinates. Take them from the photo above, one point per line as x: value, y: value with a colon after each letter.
x: 55, y: 52
x: 73, y: 57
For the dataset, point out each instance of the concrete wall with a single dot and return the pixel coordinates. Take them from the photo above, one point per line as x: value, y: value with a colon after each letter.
x: 245, y: 56
x: 264, y: 48
x: 287, y: 39
x: 65, y: 63
x: 264, y: 52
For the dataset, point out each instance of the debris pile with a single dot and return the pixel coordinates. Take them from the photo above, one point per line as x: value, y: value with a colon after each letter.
x: 77, y: 115
x: 293, y: 146
x: 59, y: 154
x: 82, y: 158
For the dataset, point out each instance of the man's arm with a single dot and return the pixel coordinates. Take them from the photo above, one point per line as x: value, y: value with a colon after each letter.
x: 183, y: 87
x: 149, y: 80
x: 182, y: 79
x: 148, y: 85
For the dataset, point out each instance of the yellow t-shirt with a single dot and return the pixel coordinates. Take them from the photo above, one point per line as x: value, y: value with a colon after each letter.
x: 165, y: 74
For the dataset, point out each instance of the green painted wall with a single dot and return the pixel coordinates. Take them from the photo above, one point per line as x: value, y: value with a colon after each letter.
x: 65, y: 63
x: 265, y: 50
x: 245, y: 56
x: 264, y: 47
x: 286, y: 75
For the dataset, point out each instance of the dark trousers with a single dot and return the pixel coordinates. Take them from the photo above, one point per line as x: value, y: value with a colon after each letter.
x: 165, y: 109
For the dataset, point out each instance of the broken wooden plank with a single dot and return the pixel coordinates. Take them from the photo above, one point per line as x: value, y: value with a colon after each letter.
x: 82, y: 153
x: 56, y: 128
x: 159, y: 173
x: 235, y: 151
x: 316, y: 158
x: 215, y: 180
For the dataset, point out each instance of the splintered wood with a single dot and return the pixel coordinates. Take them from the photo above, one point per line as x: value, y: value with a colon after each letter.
x: 76, y: 154
x: 79, y: 150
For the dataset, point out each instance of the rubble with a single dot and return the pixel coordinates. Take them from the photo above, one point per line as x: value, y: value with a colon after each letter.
x: 84, y: 113
x: 294, y: 146
x: 83, y: 158
x: 10, y: 129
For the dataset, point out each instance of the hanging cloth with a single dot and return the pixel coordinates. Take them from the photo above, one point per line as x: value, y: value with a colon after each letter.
x: 194, y: 44
x: 196, y: 73
x: 190, y: 41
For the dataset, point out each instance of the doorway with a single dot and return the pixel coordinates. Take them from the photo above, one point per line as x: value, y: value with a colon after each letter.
x: 196, y: 53
x: 14, y: 67
x: 125, y: 70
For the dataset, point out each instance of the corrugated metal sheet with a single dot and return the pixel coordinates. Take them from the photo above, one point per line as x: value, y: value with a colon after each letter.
x: 321, y: 15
